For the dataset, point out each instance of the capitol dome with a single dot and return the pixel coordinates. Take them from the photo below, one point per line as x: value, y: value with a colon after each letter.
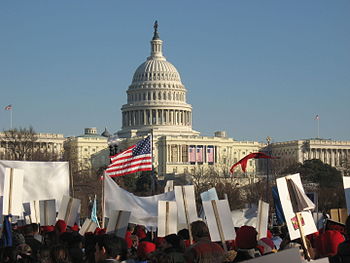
x: 156, y: 98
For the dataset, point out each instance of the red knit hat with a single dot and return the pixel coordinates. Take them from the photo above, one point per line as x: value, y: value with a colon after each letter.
x: 75, y: 228
x: 246, y: 237
x: 327, y: 243
x: 100, y: 231
x: 61, y: 226
x: 145, y: 248
x: 47, y: 229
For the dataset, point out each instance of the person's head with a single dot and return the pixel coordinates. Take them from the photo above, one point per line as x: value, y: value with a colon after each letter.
x: 59, y: 254
x: 246, y: 237
x: 35, y: 228
x: 110, y: 247
x: 184, y: 234
x: 174, y: 241
x: 199, y: 230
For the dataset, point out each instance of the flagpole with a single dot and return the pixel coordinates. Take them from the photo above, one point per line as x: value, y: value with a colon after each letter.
x: 103, y: 199
x: 318, y: 127
x: 11, y: 118
x: 152, y: 181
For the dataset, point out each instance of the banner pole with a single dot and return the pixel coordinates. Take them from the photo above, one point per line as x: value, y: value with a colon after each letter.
x: 103, y: 200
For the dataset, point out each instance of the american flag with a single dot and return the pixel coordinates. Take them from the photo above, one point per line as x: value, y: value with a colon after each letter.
x: 134, y: 159
x: 8, y: 107
x: 317, y: 117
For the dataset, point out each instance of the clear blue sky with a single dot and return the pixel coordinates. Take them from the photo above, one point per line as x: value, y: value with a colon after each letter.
x: 252, y: 68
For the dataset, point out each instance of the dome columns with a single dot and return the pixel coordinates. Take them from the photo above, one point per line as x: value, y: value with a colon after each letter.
x: 149, y: 117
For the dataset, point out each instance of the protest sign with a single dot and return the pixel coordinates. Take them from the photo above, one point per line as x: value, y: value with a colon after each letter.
x: 118, y: 222
x: 219, y: 221
x: 88, y: 226
x: 167, y: 218
x: 69, y: 210
x: 12, y: 192
x: 47, y: 212
x: 262, y: 219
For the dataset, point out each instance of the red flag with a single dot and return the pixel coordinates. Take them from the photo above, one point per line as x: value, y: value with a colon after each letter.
x: 243, y: 161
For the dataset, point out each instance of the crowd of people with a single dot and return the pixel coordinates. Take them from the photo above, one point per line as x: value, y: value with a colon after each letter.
x: 63, y: 244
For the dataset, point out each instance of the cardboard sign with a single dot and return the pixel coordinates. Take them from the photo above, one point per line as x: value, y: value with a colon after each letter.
x: 167, y: 218
x: 209, y: 195
x: 169, y: 186
x: 186, y: 204
x: 32, y: 212
x: 339, y: 214
x: 69, y: 210
x: 218, y: 215
x: 88, y: 226
x: 118, y: 222
x: 47, y: 212
x: 263, y: 219
x: 309, y: 224
x: 13, y: 189
x: 291, y: 255
x: 346, y: 182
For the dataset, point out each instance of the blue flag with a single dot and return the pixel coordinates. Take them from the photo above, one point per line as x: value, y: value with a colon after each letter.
x: 278, y: 206
x: 6, y: 239
x: 94, y: 213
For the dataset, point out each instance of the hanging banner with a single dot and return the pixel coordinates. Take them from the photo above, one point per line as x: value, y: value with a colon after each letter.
x: 47, y: 212
x: 218, y: 216
x: 262, y: 219
x: 308, y: 223
x: 167, y: 218
x: 199, y: 154
x: 191, y: 154
x: 144, y: 210
x: 118, y: 223
x: 210, y: 154
x: 12, y: 192
x: 42, y: 180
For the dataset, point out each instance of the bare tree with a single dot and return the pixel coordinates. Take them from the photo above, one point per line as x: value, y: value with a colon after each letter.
x: 19, y: 143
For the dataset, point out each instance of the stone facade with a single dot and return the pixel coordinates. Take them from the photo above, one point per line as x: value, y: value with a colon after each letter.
x: 334, y: 153
x: 49, y: 144
x: 86, y: 152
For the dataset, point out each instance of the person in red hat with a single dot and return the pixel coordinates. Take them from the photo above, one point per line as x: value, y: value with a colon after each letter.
x: 203, y: 250
x: 246, y: 244
x: 144, y: 250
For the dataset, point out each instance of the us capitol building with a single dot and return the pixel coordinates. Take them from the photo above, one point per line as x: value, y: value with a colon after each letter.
x: 156, y: 103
